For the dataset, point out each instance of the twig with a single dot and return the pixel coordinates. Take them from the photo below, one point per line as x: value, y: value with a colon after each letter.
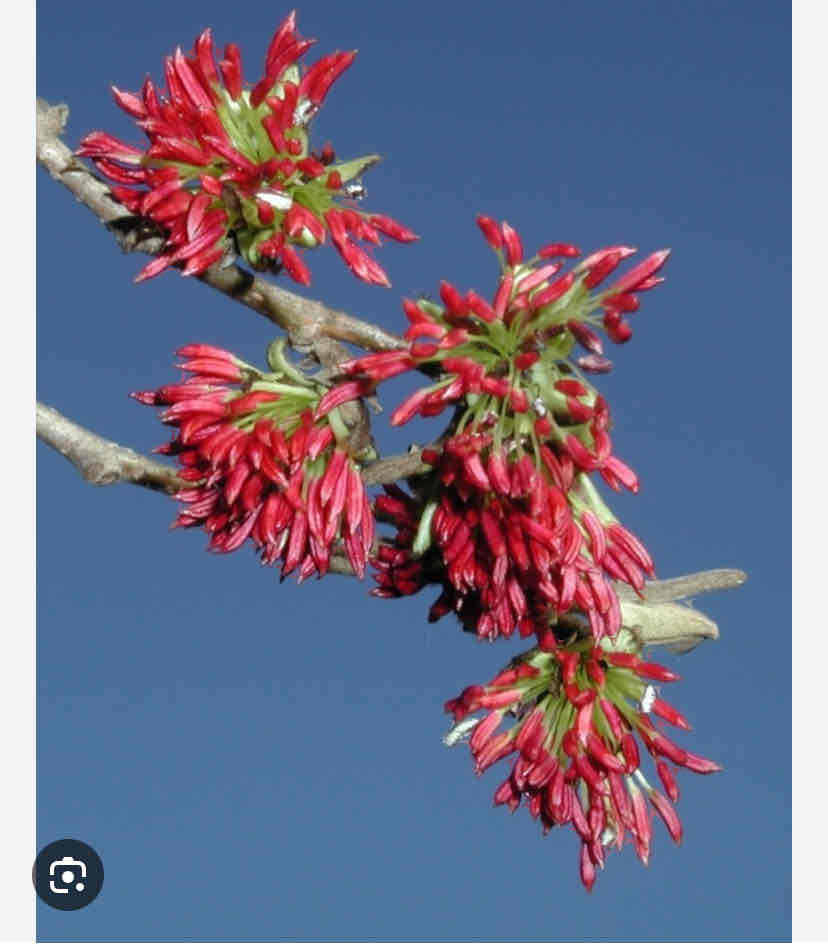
x: 305, y: 320
x: 101, y: 461
x: 655, y: 620
x: 392, y: 469
x: 104, y: 462
x: 311, y: 327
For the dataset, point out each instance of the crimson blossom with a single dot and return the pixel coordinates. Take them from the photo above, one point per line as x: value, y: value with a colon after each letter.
x: 268, y: 461
x: 229, y: 169
x: 519, y: 529
x: 574, y: 711
x: 507, y: 542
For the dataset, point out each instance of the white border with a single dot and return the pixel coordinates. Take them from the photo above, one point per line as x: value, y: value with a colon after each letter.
x: 17, y: 666
x: 808, y: 429
x: 810, y: 309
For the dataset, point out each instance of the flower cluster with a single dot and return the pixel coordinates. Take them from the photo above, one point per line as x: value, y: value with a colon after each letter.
x: 509, y: 523
x: 576, y: 710
x: 511, y: 544
x: 513, y: 350
x: 229, y: 169
x: 268, y: 458
x: 521, y: 531
x: 504, y: 517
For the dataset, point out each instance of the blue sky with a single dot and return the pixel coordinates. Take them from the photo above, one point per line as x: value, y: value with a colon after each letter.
x: 257, y: 761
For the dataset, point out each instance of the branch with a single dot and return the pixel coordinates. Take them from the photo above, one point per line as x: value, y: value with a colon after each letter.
x: 311, y: 326
x: 392, y: 469
x: 99, y: 461
x: 305, y: 320
x: 657, y: 619
x: 104, y: 462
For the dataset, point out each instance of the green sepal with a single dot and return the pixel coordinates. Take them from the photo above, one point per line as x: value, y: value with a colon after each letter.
x: 563, y: 719
x: 544, y: 373
x: 275, y: 354
x: 277, y: 90
x: 563, y: 309
x: 337, y: 425
x: 313, y: 197
x: 280, y: 364
x: 624, y: 642
x: 249, y: 243
x: 348, y: 170
x: 230, y: 115
x: 601, y: 723
x: 244, y: 239
x: 250, y: 213
x: 305, y: 239
x: 499, y: 336
x: 559, y: 348
x: 298, y: 133
x: 431, y: 308
x: 586, y: 489
x: 291, y: 74
x: 625, y: 682
x: 423, y: 538
x: 523, y: 425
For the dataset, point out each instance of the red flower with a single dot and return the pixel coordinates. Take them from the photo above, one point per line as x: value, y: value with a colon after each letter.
x: 511, y: 544
x: 263, y: 465
x: 230, y: 169
x: 575, y: 712
x: 513, y: 357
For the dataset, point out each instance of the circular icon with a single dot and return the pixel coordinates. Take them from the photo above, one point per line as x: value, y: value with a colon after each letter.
x: 68, y: 874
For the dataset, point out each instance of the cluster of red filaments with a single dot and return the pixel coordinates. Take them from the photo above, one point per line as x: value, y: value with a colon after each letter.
x: 510, y: 544
x: 505, y: 517
x: 575, y: 713
x: 264, y: 465
x: 521, y: 533
x: 229, y: 169
x: 514, y: 348
x: 507, y: 520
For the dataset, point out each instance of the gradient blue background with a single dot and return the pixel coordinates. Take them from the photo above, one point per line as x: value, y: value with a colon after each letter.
x: 255, y: 761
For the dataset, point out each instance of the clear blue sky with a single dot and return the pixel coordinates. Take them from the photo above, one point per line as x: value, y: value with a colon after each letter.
x: 256, y: 761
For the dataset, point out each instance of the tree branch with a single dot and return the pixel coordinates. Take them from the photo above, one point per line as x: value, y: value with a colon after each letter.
x: 104, y: 462
x: 99, y: 461
x: 657, y: 619
x: 305, y: 320
x: 392, y: 469
x: 311, y: 327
